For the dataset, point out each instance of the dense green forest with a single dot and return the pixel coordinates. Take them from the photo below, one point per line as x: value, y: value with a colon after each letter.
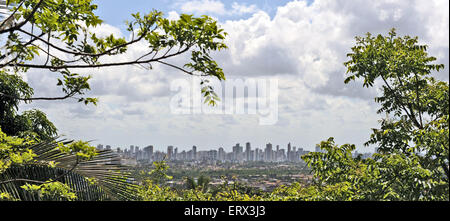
x: 411, y: 163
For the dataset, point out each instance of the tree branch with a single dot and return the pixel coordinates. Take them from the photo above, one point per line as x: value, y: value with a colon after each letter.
x: 11, y: 16
x: 413, y: 119
x: 39, y: 98
x: 79, y: 53
x: 181, y: 69
x: 411, y: 109
x: 418, y: 100
x: 30, y: 42
x: 18, y: 26
x: 40, y: 66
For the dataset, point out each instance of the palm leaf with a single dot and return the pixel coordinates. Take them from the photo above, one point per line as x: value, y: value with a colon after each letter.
x: 112, y: 180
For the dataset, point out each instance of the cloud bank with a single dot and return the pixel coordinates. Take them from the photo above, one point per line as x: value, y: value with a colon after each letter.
x: 302, y: 44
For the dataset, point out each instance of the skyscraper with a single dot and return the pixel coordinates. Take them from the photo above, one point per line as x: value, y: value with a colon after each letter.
x: 169, y: 152
x: 194, y: 152
x: 289, y: 153
x: 148, y: 152
x: 269, y: 152
x: 221, y: 154
x: 248, y: 150
x: 276, y: 156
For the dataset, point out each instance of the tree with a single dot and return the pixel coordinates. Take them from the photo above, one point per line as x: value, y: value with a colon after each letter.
x: 201, y: 184
x: 393, y: 176
x: 56, y: 36
x: 158, y: 175
x: 59, y: 32
x: 420, y: 103
x: 412, y: 162
x: 32, y: 123
x: 154, y: 188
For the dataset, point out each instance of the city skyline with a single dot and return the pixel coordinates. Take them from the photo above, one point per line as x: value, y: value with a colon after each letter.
x: 239, y: 153
x: 188, y: 147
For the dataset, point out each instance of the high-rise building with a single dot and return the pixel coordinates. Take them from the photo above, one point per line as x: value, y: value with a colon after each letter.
x: 148, y: 152
x: 277, y: 154
x: 221, y: 154
x: 139, y: 153
x: 235, y: 152
x: 268, y: 152
x: 211, y: 155
x: 295, y: 155
x: 259, y: 155
x: 169, y: 152
x: 238, y: 153
x: 194, y: 152
x: 182, y: 155
x: 289, y: 153
x: 248, y: 150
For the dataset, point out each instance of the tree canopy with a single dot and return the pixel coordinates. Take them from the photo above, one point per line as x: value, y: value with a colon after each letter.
x: 58, y: 36
x: 412, y: 159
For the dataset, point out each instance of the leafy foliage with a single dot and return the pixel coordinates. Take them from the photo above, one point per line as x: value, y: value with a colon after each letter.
x: 65, y: 27
x: 393, y: 176
x: 62, y: 170
x: 412, y: 162
x: 152, y: 189
x: 202, y: 183
x: 32, y: 123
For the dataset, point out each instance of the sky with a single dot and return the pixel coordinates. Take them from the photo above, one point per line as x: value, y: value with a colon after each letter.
x: 302, y: 44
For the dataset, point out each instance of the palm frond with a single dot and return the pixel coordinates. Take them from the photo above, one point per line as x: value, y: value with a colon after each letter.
x: 112, y: 180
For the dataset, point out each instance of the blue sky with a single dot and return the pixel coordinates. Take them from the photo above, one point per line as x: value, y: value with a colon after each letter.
x: 115, y: 12
x: 302, y: 44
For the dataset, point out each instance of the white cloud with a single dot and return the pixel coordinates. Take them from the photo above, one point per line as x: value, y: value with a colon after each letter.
x: 311, y: 41
x: 215, y: 7
x: 240, y: 9
x: 203, y: 7
x: 303, y: 45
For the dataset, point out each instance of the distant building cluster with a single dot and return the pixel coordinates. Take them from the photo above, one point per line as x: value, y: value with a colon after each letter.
x: 135, y: 155
x: 239, y: 154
